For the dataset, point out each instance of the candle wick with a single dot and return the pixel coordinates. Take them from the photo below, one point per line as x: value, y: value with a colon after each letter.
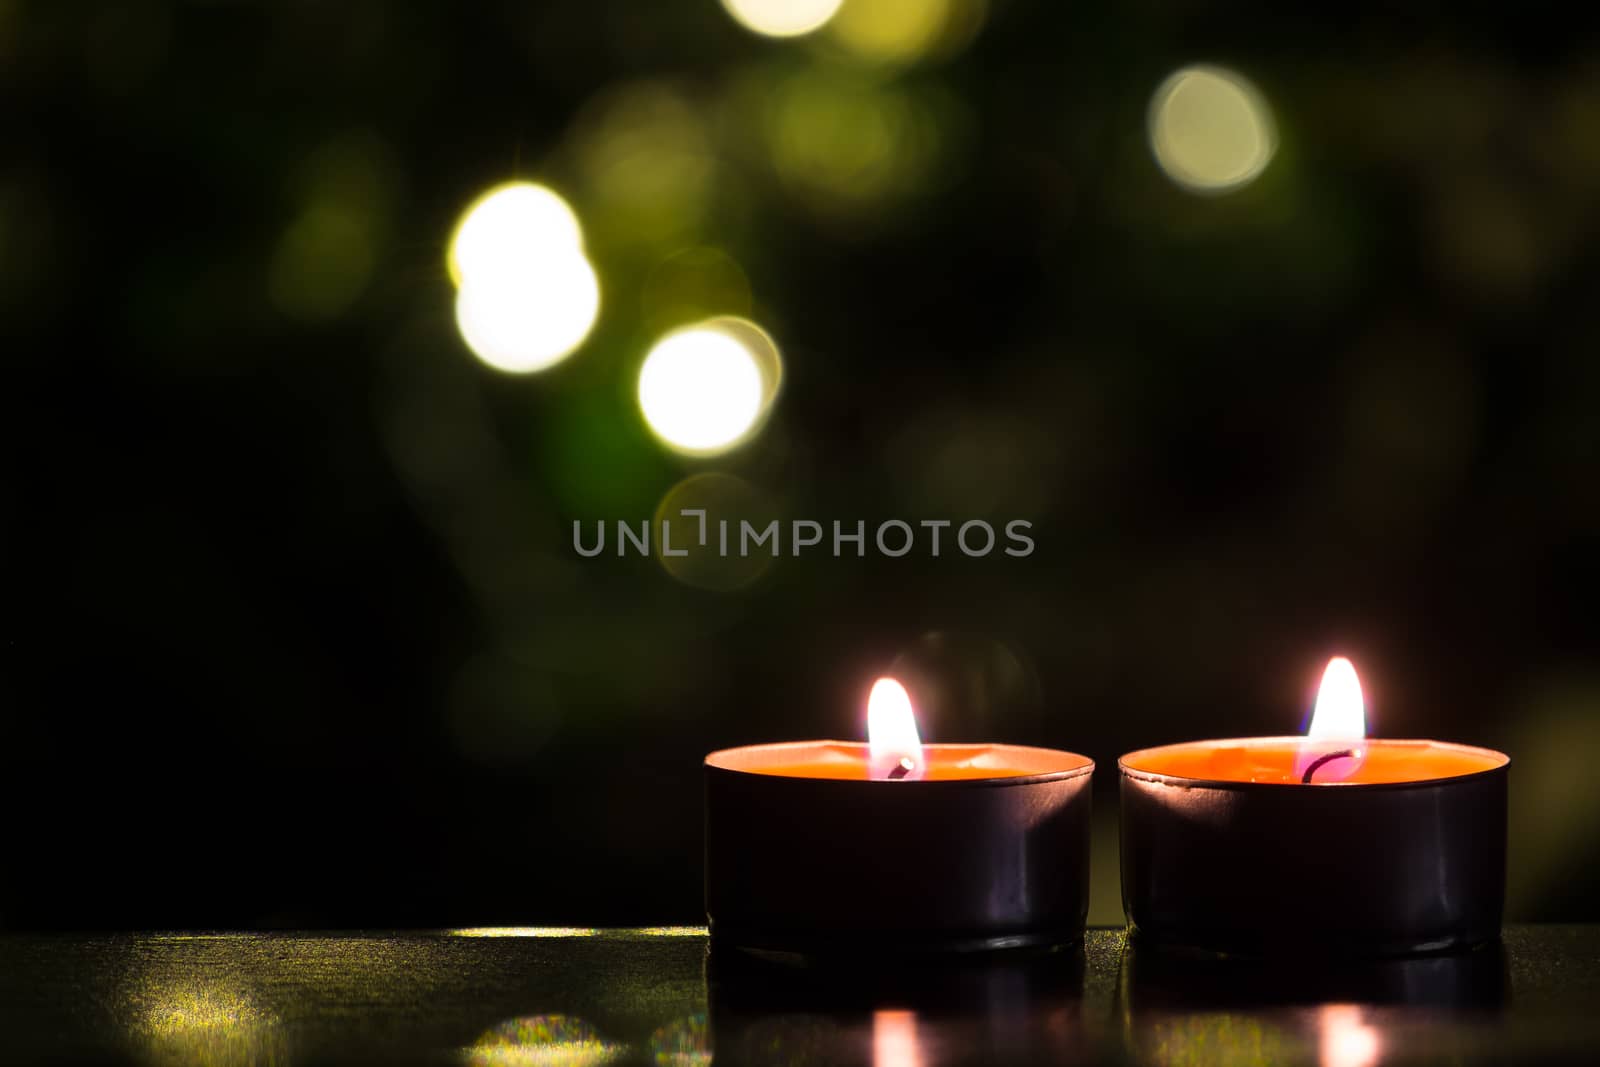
x: 903, y: 768
x: 1316, y: 764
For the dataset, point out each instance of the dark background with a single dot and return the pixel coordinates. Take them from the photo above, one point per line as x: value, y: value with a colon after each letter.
x: 293, y: 630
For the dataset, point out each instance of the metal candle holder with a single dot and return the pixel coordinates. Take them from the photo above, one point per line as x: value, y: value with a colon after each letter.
x: 824, y: 867
x: 1265, y: 868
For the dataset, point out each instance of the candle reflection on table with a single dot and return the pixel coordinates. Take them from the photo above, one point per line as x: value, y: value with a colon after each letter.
x: 894, y: 1039
x: 1183, y: 1008
x: 1347, y: 1040
x: 1151, y: 979
x: 1021, y: 1008
x: 623, y: 996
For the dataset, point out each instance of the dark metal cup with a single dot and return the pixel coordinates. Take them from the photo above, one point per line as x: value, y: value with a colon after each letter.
x: 1264, y: 869
x: 896, y: 869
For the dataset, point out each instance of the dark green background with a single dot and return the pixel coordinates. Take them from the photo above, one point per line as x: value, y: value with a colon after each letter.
x: 292, y: 628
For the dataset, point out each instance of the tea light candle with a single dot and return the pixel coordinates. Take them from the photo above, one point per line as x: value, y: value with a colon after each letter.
x: 1331, y: 843
x: 895, y: 848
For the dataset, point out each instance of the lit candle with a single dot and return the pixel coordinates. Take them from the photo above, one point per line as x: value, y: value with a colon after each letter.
x: 894, y: 846
x: 1333, y: 842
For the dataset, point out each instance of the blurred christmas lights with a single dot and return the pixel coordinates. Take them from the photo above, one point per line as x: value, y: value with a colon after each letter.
x: 782, y: 18
x: 528, y: 295
x: 704, y: 389
x: 1210, y: 130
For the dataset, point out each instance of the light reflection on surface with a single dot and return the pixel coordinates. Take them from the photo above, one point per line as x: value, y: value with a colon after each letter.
x: 543, y: 1041
x: 1214, y: 1037
x: 179, y: 1023
x: 1347, y: 1040
x: 526, y: 931
x: 577, y: 931
x: 894, y: 1040
x: 682, y: 1043
x: 794, y: 1040
x: 1210, y: 130
x: 236, y: 999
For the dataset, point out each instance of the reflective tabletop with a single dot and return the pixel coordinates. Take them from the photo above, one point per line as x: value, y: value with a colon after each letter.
x: 659, y: 996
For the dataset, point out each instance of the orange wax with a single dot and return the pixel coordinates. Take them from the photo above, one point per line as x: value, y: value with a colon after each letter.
x: 844, y: 760
x: 1273, y: 760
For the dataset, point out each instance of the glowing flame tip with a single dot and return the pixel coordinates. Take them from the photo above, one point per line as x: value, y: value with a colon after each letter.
x: 1340, y: 713
x: 893, y: 745
x: 1333, y: 749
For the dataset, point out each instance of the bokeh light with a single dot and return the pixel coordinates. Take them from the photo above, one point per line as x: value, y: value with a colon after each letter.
x: 852, y: 145
x: 330, y: 247
x: 528, y: 294
x: 720, y: 559
x: 321, y: 264
x: 1553, y: 733
x: 906, y: 31
x: 645, y: 156
x: 1210, y: 130
x: 704, y: 389
x: 693, y: 283
x: 782, y: 18
x: 761, y: 348
x: 543, y: 1041
x: 532, y: 318
x: 511, y: 227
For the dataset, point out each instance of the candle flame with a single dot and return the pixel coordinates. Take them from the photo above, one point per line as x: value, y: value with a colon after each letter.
x: 893, y: 746
x: 1333, y: 750
x: 1340, y: 714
